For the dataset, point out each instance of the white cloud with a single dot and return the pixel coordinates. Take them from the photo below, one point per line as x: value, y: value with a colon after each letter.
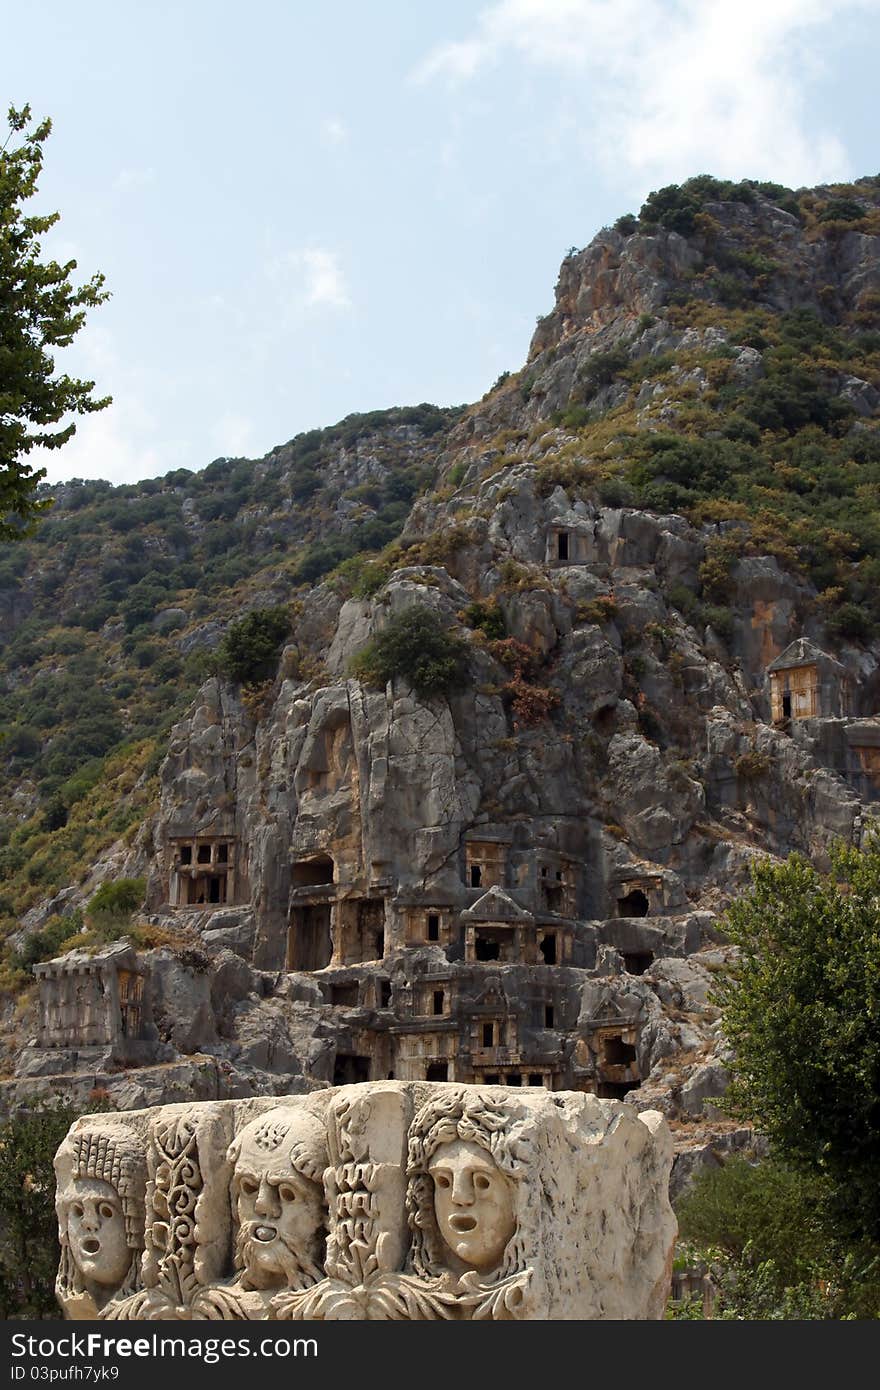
x: 108, y: 445
x: 120, y: 443
x: 669, y: 88
x: 325, y: 282
x: 334, y: 131
x: 313, y: 276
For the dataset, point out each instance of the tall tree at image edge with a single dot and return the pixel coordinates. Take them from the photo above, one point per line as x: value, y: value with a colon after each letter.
x: 40, y: 309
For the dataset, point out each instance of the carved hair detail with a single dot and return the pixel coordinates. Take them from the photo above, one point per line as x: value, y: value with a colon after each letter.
x: 122, y: 1163
x: 390, y: 1200
x: 308, y: 1152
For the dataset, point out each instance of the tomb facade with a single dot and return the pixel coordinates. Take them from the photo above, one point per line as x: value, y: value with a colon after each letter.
x: 99, y: 1001
x: 639, y: 895
x: 496, y: 928
x: 863, y: 757
x: 464, y: 1025
x: 204, y: 872
x: 807, y: 683
x: 569, y: 545
x: 485, y: 863
x: 429, y: 924
x: 615, y: 1051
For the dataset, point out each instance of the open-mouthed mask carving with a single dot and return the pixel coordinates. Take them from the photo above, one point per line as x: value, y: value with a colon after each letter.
x: 473, y: 1203
x: 279, y: 1204
x: 96, y: 1232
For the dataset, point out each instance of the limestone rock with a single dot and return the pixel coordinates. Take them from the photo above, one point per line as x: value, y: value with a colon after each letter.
x: 682, y: 984
x: 181, y: 1001
x: 712, y: 1151
x: 657, y: 804
x: 706, y: 1083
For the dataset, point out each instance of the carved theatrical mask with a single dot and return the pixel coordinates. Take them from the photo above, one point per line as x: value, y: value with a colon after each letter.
x: 468, y: 1171
x: 473, y: 1204
x: 96, y: 1233
x: 100, y: 1207
x: 278, y: 1200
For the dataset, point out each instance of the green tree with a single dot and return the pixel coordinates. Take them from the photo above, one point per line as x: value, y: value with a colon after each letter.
x: 765, y: 1207
x: 118, y: 897
x: 769, y: 1236
x: 249, y: 650
x: 40, y: 309
x: 29, y: 1250
x: 802, y: 1012
x: 416, y: 646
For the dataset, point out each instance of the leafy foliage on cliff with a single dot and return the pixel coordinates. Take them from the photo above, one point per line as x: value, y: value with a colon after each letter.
x: 749, y: 400
x: 417, y: 647
x: 250, y: 647
x: 685, y: 208
x: 530, y: 703
x: 109, y: 798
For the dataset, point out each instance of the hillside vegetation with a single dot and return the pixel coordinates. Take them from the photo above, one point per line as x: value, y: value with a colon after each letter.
x: 115, y: 612
x: 746, y: 399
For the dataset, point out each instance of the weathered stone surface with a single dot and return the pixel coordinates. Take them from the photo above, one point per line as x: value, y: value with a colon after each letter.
x: 707, y: 1082
x: 389, y: 1200
x: 205, y: 637
x: 657, y: 803
x: 181, y: 1001
x: 711, y: 1151
x: 682, y: 984
x: 198, y: 1078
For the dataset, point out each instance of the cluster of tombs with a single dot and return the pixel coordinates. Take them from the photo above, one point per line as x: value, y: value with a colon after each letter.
x: 410, y: 1019
x: 480, y: 985
x: 472, y: 976
x: 511, y: 906
x: 510, y: 1028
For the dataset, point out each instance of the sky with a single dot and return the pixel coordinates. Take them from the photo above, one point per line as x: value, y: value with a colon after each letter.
x: 306, y: 210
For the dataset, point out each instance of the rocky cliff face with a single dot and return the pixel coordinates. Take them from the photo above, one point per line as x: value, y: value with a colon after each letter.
x: 520, y: 880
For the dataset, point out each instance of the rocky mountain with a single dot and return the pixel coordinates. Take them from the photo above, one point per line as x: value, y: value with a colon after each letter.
x: 518, y: 756
x: 111, y: 616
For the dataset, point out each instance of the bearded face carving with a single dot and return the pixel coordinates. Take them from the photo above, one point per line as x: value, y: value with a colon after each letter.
x: 278, y: 1201
x: 381, y: 1201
